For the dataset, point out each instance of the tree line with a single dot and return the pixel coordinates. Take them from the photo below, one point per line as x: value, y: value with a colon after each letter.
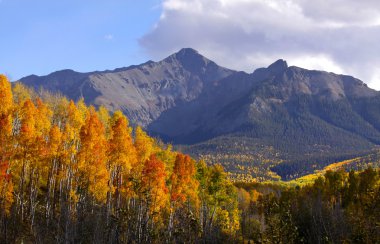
x: 70, y: 173
x: 339, y: 207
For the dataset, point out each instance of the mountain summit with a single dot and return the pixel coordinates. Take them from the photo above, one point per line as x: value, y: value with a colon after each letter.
x: 143, y: 91
x: 278, y: 67
x: 187, y: 54
x: 189, y: 99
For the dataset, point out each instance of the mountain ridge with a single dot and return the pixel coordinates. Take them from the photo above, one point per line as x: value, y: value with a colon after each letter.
x: 189, y: 99
x: 129, y: 89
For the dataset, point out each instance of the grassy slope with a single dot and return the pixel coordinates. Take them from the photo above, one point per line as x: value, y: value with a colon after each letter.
x: 358, y: 163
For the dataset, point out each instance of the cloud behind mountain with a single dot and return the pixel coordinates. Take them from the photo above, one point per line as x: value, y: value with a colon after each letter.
x: 338, y: 36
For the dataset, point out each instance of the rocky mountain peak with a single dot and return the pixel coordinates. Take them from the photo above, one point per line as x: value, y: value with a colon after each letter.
x: 278, y: 67
x: 187, y: 52
x: 190, y: 59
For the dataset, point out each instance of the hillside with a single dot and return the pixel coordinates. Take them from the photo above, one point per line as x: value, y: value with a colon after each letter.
x: 302, y: 116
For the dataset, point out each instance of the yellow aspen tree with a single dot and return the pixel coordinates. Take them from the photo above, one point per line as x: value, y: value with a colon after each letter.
x: 20, y: 93
x: 59, y: 107
x: 183, y: 183
x: 104, y: 117
x: 72, y: 124
x: 168, y: 156
x: 145, y: 147
x: 67, y: 171
x: 82, y: 108
x: 184, y: 187
x: 6, y: 98
x: 26, y: 153
x: 6, y: 149
x: 54, y: 145
x: 154, y: 186
x: 122, y: 155
x: 43, y: 126
x: 92, y: 157
x: 43, y: 121
x: 144, y: 144
x: 76, y: 114
x: 35, y: 127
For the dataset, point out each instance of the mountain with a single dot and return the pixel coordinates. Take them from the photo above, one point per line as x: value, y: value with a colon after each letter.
x: 143, y: 91
x: 278, y: 113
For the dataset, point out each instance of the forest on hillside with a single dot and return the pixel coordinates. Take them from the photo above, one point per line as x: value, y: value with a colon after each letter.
x: 74, y: 174
x: 71, y: 173
x: 339, y: 207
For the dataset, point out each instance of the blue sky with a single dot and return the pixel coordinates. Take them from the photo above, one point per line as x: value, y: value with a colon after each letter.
x: 42, y: 36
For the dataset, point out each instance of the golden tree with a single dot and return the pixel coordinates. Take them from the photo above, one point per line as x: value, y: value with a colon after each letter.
x: 6, y: 151
x: 92, y: 157
x: 122, y: 155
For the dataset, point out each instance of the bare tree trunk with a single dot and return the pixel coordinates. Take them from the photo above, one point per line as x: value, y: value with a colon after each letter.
x: 21, y: 191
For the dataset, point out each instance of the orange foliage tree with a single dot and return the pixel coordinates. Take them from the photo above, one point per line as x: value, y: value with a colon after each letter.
x: 92, y: 166
x: 6, y: 121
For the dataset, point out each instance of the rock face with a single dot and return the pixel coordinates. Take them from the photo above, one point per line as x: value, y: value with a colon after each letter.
x: 144, y: 91
x: 272, y: 103
x: 186, y: 99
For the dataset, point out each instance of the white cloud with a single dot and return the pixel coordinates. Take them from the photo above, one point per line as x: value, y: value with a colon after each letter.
x: 337, y: 35
x: 375, y: 79
x: 317, y: 62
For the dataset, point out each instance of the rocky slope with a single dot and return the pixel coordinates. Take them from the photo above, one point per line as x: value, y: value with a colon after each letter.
x: 143, y: 91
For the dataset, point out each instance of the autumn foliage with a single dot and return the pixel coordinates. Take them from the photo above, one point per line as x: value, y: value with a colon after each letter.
x: 70, y: 173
